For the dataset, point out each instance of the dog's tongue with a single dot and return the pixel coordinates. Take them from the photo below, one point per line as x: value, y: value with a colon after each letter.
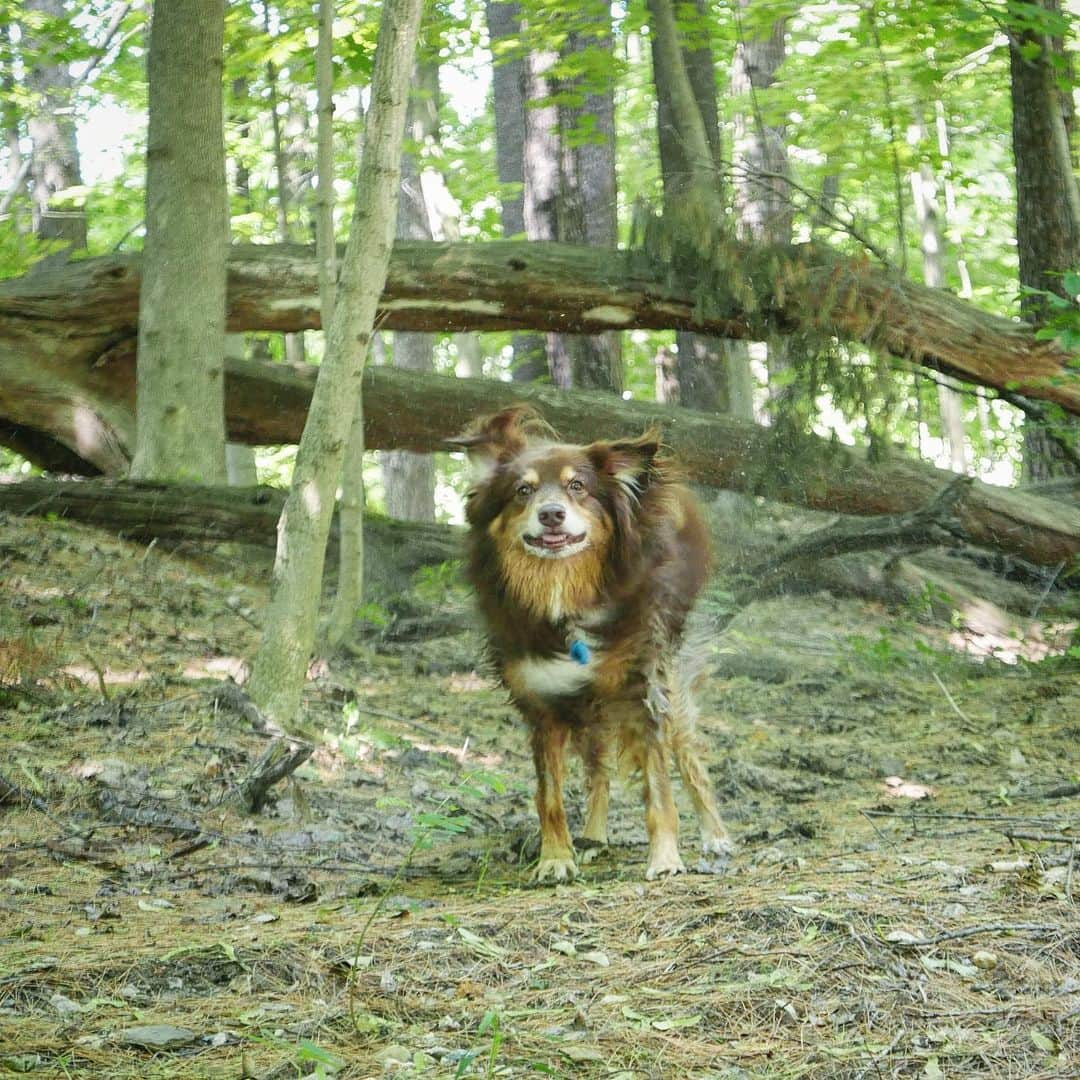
x: 553, y: 540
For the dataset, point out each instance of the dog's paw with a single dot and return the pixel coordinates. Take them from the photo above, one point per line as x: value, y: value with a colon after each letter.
x: 716, y: 852
x: 664, y: 864
x: 555, y: 870
x: 588, y: 849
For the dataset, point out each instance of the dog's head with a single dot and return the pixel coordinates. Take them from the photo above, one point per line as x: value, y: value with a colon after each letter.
x: 554, y: 500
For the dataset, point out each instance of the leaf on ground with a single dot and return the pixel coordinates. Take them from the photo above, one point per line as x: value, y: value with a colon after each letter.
x: 897, y: 787
x: 582, y: 1053
x: 677, y: 1022
x: 481, y: 945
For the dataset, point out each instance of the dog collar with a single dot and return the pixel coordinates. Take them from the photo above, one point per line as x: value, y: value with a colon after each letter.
x: 580, y: 652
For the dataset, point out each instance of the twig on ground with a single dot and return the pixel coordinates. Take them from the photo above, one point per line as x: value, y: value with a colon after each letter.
x: 1047, y: 838
x: 227, y: 693
x: 144, y: 811
x: 280, y: 759
x: 11, y: 795
x: 950, y: 699
x: 423, y: 729
x: 935, y: 524
x: 974, y: 931
x: 285, y: 754
x: 1062, y: 791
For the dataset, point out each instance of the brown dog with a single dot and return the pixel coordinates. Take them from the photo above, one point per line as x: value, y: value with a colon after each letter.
x: 586, y: 561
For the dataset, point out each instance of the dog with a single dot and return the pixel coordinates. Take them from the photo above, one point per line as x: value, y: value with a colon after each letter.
x: 586, y: 561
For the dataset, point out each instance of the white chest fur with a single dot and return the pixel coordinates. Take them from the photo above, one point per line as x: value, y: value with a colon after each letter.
x: 556, y: 677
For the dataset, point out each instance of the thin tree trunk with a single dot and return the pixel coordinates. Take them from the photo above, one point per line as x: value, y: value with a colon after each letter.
x: 541, y: 150
x: 294, y: 343
x: 700, y: 378
x: 240, y: 468
x: 55, y: 164
x: 180, y: 432
x: 587, y: 189
x: 924, y: 200
x: 17, y: 168
x: 409, y: 479
x: 508, y: 91
x: 350, y: 580
x: 280, y: 665
x: 763, y: 211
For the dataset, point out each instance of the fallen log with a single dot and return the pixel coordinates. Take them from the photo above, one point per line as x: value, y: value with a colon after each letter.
x: 71, y: 322
x: 180, y: 513
x: 418, y: 412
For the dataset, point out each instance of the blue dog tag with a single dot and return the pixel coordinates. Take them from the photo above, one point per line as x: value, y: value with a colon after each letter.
x: 580, y: 652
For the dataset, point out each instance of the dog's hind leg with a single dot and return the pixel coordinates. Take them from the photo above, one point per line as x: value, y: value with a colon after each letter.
x: 549, y: 738
x: 682, y: 736
x: 645, y: 748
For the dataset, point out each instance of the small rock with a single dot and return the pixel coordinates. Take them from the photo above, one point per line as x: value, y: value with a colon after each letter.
x: 156, y: 1036
x: 64, y: 1005
x: 985, y: 960
x: 394, y: 1056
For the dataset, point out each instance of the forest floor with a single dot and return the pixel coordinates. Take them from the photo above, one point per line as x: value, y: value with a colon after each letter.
x: 903, y: 901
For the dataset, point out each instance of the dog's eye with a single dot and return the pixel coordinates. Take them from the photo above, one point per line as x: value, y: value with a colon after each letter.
x: 576, y: 486
x: 524, y: 490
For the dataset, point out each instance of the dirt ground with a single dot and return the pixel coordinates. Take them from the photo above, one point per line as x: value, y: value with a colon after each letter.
x: 903, y: 901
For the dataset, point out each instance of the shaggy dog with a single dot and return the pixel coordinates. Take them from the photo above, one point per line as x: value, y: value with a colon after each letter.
x: 586, y: 561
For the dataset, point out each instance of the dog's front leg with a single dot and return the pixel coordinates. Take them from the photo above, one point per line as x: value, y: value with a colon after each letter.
x: 597, y: 741
x: 549, y: 738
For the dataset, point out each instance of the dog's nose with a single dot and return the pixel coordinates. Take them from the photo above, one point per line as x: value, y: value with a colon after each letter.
x: 551, y: 515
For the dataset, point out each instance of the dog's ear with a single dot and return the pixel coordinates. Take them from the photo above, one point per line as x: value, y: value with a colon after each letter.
x: 493, y: 439
x: 631, y: 463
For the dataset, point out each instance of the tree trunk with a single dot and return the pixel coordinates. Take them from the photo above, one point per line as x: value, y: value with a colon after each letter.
x: 702, y: 378
x: 350, y: 578
x: 181, y: 419
x: 763, y: 211
x: 17, y: 168
x: 508, y: 92
x: 280, y: 665
x: 587, y: 200
x: 51, y: 124
x: 294, y: 343
x: 1047, y: 203
x: 931, y: 242
x: 409, y: 479
x: 240, y: 468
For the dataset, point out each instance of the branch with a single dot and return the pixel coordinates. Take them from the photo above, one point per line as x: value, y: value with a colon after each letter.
x: 937, y: 523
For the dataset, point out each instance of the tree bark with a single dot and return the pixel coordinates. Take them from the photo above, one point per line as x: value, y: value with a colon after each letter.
x: 1047, y: 203
x: 508, y: 93
x: 350, y: 578
x: 187, y: 513
x: 703, y: 377
x: 67, y: 334
x: 278, y: 671
x: 181, y: 419
x: 51, y: 124
x: 924, y: 187
x: 763, y: 211
x: 409, y: 479
x: 294, y: 343
x: 268, y: 403
x: 587, y: 200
